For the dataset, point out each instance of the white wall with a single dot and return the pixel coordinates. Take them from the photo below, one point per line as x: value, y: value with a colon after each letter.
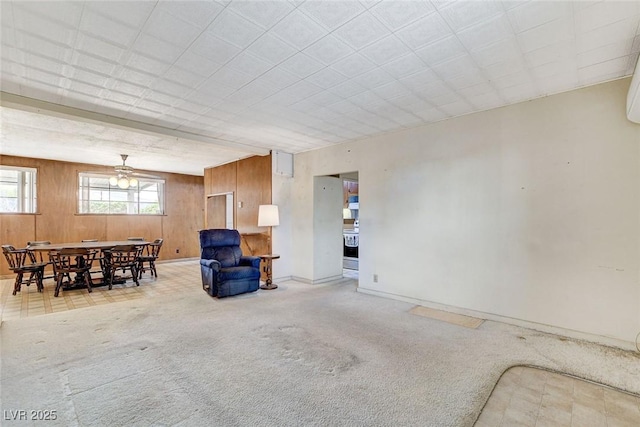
x: 529, y: 212
x: 281, y: 236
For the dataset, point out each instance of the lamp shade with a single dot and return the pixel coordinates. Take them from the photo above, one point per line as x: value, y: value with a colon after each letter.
x: 123, y: 183
x: 268, y: 216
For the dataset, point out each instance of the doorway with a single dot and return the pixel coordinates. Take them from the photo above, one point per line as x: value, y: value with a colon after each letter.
x: 219, y: 211
x: 350, y: 224
x: 333, y: 219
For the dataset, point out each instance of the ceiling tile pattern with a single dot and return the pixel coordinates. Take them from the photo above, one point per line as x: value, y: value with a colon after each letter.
x: 299, y: 75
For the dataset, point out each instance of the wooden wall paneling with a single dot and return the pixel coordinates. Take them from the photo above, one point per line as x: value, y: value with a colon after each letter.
x: 120, y: 227
x: 254, y: 189
x: 208, y: 173
x: 90, y: 227
x: 184, y: 217
x: 181, y: 241
x: 15, y: 230
x: 184, y: 193
x: 58, y: 221
x: 57, y: 201
x: 221, y: 179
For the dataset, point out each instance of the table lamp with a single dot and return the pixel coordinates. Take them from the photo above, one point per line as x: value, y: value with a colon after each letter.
x: 268, y: 216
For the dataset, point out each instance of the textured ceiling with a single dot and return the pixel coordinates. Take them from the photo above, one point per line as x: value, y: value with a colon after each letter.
x: 242, y: 77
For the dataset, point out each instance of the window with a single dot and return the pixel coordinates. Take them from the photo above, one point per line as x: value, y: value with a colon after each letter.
x: 17, y: 189
x: 97, y: 196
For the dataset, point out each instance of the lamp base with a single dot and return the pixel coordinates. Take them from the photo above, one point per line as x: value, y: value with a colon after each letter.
x: 269, y: 286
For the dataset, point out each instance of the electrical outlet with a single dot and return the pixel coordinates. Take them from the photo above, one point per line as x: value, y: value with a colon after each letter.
x: 375, y: 278
x: 177, y: 250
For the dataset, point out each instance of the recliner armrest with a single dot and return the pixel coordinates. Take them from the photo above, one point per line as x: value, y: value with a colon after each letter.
x: 213, y: 264
x: 251, y: 261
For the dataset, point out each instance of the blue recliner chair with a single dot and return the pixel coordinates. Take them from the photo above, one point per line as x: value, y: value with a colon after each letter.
x: 225, y: 271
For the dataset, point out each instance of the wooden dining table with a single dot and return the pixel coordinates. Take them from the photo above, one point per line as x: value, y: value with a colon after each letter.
x: 103, y: 246
x: 107, y: 244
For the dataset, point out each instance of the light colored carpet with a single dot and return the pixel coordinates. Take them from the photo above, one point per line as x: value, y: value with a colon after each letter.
x: 446, y: 316
x: 320, y: 355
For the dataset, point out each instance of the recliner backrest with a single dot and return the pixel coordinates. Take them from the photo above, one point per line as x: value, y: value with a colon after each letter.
x: 222, y: 245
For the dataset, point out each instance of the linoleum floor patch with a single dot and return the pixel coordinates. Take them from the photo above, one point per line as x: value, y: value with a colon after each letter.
x: 445, y: 316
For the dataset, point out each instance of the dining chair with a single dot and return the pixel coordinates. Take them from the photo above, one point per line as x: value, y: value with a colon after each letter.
x: 20, y: 263
x: 69, y: 261
x: 150, y: 255
x: 37, y: 256
x: 123, y: 257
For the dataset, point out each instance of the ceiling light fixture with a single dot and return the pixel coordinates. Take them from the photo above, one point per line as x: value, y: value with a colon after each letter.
x: 122, y: 178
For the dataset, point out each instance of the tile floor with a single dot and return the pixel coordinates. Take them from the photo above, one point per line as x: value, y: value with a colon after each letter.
x: 28, y: 302
x: 522, y: 397
x: 535, y: 397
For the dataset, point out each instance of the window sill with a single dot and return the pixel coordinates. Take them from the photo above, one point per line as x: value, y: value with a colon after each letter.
x: 20, y: 213
x: 105, y: 214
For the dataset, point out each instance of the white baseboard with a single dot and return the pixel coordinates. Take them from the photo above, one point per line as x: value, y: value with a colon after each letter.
x: 281, y: 279
x: 319, y: 281
x: 556, y: 330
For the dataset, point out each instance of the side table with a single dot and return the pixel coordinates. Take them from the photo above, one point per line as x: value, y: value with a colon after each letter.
x: 267, y: 269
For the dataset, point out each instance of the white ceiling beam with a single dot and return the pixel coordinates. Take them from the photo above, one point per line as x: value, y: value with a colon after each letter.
x: 22, y: 103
